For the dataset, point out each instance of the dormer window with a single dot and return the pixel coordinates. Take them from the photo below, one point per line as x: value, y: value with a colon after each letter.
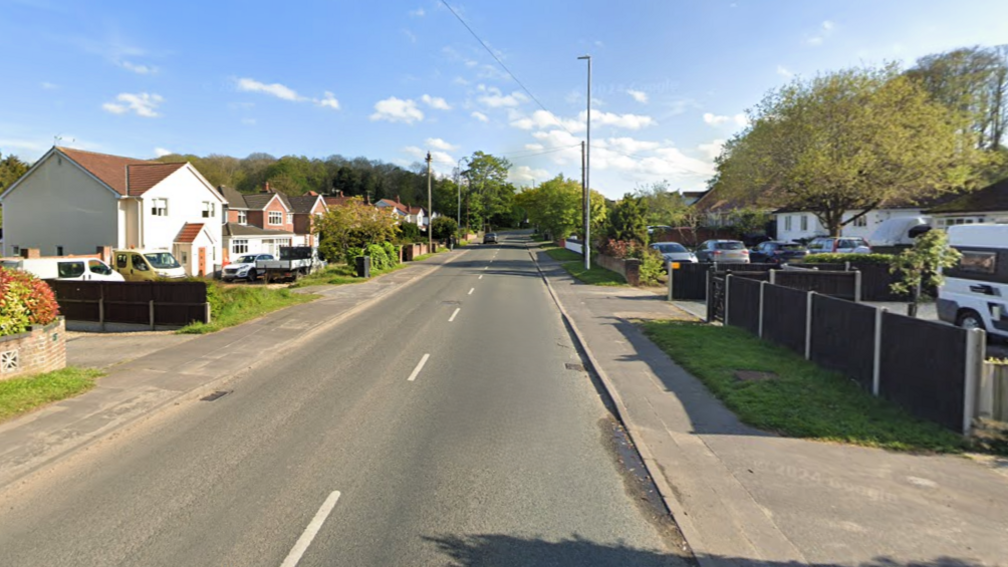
x: 242, y: 217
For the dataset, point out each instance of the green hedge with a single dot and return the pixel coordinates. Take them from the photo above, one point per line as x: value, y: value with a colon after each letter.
x: 852, y: 258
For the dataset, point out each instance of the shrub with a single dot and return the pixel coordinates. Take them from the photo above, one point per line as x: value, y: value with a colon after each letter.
x: 652, y: 266
x: 351, y: 255
x: 392, y: 251
x: 409, y: 232
x: 852, y: 258
x: 443, y: 227
x: 24, y: 301
x: 379, y: 259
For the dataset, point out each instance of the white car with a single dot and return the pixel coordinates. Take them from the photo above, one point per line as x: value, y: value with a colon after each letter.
x: 975, y: 292
x: 64, y: 268
x: 244, y: 267
x: 675, y: 252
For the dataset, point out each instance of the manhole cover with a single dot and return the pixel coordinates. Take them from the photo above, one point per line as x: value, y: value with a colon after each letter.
x: 753, y: 376
x: 214, y: 396
x: 575, y: 366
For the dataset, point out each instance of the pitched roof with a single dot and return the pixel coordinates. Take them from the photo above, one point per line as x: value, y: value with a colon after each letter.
x: 337, y: 201
x: 144, y: 176
x: 235, y: 199
x: 390, y: 203
x: 713, y: 202
x: 989, y: 199
x: 258, y: 201
x: 234, y: 229
x: 127, y: 176
x: 415, y: 210
x: 303, y: 204
x: 189, y: 232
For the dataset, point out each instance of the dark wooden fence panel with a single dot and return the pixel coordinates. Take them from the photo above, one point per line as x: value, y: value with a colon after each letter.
x: 843, y: 338
x: 689, y: 281
x: 836, y: 284
x: 876, y: 282
x: 923, y: 365
x: 175, y: 303
x: 784, y: 317
x: 744, y: 303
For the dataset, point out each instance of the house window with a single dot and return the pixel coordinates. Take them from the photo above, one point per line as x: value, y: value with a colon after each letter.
x: 16, y: 250
x: 209, y: 210
x: 159, y: 207
x: 239, y: 246
x: 804, y: 222
x: 275, y: 217
x: 242, y: 217
x: 861, y: 221
x: 59, y: 250
x: 787, y: 222
x: 290, y: 218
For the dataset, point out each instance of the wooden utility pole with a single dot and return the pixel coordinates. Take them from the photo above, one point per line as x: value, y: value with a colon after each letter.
x: 430, y: 211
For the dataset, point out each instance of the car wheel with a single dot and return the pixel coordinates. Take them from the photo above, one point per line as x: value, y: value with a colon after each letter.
x: 252, y: 276
x: 970, y: 319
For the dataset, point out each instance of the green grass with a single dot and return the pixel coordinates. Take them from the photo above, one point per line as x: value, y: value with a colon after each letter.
x: 803, y: 401
x: 574, y: 264
x: 234, y: 305
x: 22, y: 395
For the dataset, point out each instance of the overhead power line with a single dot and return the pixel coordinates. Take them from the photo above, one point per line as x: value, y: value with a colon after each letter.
x: 505, y: 67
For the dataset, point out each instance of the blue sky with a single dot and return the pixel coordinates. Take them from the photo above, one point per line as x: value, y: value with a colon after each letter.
x: 390, y: 80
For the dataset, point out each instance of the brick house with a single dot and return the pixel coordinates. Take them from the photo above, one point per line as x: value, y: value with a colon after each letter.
x: 257, y: 223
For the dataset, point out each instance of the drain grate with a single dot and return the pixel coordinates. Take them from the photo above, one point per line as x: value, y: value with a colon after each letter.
x: 215, y: 396
x: 574, y: 366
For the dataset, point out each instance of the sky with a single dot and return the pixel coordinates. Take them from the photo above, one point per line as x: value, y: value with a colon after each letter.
x: 392, y: 80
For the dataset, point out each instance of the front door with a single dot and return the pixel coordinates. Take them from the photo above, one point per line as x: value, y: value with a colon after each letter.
x: 202, y: 261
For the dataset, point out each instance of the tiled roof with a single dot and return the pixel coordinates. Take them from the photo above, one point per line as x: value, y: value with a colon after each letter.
x: 117, y: 171
x: 258, y: 201
x: 415, y: 210
x: 303, y: 204
x: 189, y: 232
x: 390, y: 203
x: 234, y: 229
x: 989, y: 199
x: 143, y: 176
x: 235, y: 199
x: 336, y: 201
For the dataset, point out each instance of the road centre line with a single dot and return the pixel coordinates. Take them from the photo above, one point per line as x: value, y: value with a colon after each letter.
x: 419, y: 367
x: 452, y: 318
x: 472, y: 289
x: 311, y: 531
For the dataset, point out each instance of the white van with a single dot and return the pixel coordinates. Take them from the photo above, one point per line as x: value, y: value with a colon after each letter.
x: 61, y: 268
x: 975, y: 293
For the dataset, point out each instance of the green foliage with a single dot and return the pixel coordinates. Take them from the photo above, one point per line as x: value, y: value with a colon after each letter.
x: 391, y: 252
x: 652, y: 266
x: 233, y: 305
x: 488, y: 193
x: 443, y: 227
x: 664, y: 207
x: 574, y: 264
x: 11, y: 169
x: 409, y: 232
x: 748, y: 220
x: 921, y: 265
x: 555, y: 206
x: 803, y: 400
x: 831, y: 258
x: 24, y: 301
x: 628, y: 220
x: 21, y: 395
x: 379, y: 259
x: 352, y: 225
x: 351, y: 255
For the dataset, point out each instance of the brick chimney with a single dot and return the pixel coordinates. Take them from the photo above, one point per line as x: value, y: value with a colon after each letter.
x: 266, y: 188
x: 398, y: 202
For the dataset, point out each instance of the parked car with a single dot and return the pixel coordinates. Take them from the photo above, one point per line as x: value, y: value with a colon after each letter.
x: 62, y: 268
x: 775, y: 252
x: 839, y: 245
x: 975, y: 292
x: 490, y: 237
x: 723, y: 251
x: 244, y: 267
x: 674, y: 252
x: 146, y: 265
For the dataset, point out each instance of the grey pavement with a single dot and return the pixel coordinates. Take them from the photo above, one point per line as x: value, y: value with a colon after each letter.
x: 495, y: 450
x: 745, y: 497
x: 105, y: 350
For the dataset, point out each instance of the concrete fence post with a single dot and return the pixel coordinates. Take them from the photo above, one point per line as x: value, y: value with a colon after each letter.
x: 846, y: 266
x: 857, y: 285
x: 668, y: 269
x: 877, y: 352
x: 101, y: 313
x: 207, y: 307
x: 727, y: 296
x: 762, y: 290
x: 808, y: 325
x: 710, y: 299
x: 773, y: 277
x: 152, y: 326
x: 976, y: 354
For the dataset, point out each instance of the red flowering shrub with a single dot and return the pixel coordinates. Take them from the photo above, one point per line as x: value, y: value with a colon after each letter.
x: 24, y: 301
x: 623, y: 249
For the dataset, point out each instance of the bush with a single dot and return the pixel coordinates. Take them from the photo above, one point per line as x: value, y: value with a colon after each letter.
x: 24, y: 301
x: 351, y: 255
x: 852, y: 258
x: 392, y: 252
x: 409, y: 232
x: 379, y: 259
x: 652, y: 266
x: 443, y: 227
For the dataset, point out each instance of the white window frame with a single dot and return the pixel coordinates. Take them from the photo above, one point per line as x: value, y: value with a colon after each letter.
x: 239, y: 246
x: 861, y: 221
x: 804, y: 223
x: 242, y: 217
x: 290, y: 218
x: 209, y: 209
x: 787, y: 222
x: 275, y: 215
x: 159, y: 207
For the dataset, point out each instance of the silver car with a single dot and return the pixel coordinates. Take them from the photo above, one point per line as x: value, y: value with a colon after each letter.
x: 674, y: 252
x: 723, y: 251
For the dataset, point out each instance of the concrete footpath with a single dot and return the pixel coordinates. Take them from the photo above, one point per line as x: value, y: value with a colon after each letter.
x: 745, y: 497
x: 183, y: 370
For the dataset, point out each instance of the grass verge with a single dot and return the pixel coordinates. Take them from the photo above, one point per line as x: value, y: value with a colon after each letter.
x: 574, y: 264
x: 233, y: 305
x: 21, y: 395
x: 804, y: 400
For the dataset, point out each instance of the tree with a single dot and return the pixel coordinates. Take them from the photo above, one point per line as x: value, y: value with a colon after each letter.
x: 443, y: 228
x: 489, y: 191
x: 852, y: 140
x: 352, y: 225
x: 628, y: 220
x: 665, y: 207
x: 922, y: 264
x: 11, y: 169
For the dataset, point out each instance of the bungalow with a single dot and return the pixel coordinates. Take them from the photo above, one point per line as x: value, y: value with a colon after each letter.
x: 987, y: 205
x: 74, y: 201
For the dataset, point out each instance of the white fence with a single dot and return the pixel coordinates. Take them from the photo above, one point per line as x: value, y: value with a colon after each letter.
x: 574, y: 246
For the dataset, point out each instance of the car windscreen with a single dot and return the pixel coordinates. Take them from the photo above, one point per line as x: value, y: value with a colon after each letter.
x: 670, y: 248
x: 733, y: 245
x: 820, y: 245
x: 791, y: 247
x: 246, y: 259
x: 162, y: 260
x: 70, y: 269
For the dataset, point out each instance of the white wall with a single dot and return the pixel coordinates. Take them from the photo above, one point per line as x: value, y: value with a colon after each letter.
x: 872, y: 220
x: 185, y: 193
x: 813, y: 227
x: 59, y: 204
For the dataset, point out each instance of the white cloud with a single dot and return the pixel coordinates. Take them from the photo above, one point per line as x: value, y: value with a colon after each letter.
x: 628, y: 121
x: 542, y: 119
x: 534, y: 147
x: 329, y: 100
x: 526, y: 174
x: 22, y: 144
x: 439, y: 144
x: 397, y: 110
x: 272, y: 89
x: 435, y: 102
x: 741, y: 119
x: 460, y: 81
x: 712, y: 149
x: 49, y: 86
x: 480, y: 116
x: 437, y: 157
x: 784, y: 72
x: 248, y: 121
x: 138, y: 69
x: 827, y: 25
x: 629, y: 145
x: 639, y: 96
x: 418, y: 13
x: 161, y: 152
x: 494, y: 98
x: 715, y: 120
x: 142, y: 104
x: 825, y: 30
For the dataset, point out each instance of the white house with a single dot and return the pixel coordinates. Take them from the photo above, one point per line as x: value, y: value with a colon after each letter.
x: 74, y: 201
x: 987, y: 205
x: 795, y: 225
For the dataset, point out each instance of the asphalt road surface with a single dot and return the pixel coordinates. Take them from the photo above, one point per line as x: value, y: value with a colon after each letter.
x: 439, y: 427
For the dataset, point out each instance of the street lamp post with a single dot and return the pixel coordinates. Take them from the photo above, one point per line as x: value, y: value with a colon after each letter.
x: 430, y: 231
x: 586, y: 246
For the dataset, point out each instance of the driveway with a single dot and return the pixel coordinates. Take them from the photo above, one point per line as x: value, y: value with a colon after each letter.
x: 105, y: 350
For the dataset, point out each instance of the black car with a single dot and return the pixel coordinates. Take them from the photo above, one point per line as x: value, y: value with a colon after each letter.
x: 774, y: 252
x: 490, y: 237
